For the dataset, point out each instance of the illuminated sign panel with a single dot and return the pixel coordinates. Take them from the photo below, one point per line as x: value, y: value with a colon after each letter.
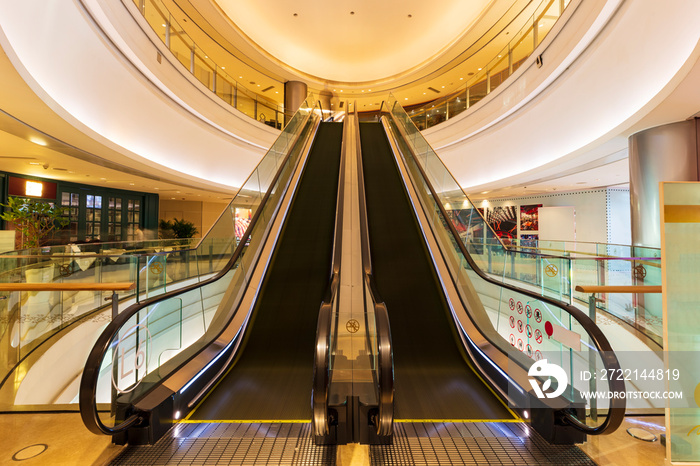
x: 34, y: 188
x: 31, y: 188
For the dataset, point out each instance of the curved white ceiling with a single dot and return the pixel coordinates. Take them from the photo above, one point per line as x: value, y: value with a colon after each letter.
x: 353, y: 40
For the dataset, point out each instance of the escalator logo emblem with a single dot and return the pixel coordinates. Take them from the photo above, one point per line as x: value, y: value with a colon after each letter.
x: 542, y: 369
x: 130, y: 358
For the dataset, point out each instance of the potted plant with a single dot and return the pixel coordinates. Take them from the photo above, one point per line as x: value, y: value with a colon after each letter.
x: 33, y: 220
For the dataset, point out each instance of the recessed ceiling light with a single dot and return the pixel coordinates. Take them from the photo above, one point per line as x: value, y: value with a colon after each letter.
x: 295, y: 15
x: 163, y: 25
x: 461, y: 79
x: 37, y: 141
x: 405, y: 98
x: 223, y: 68
x: 479, y: 69
x: 352, y: 12
x: 410, y: 16
x: 206, y: 56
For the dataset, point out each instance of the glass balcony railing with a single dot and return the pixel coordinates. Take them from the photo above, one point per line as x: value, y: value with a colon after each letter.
x: 31, y: 321
x: 217, y: 77
x: 555, y: 268
x: 501, y: 64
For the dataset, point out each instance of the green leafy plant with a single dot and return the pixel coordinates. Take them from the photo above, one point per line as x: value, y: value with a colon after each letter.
x: 176, y: 229
x: 184, y: 228
x: 165, y: 229
x: 33, y: 219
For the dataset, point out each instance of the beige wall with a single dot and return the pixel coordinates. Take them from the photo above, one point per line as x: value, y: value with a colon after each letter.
x: 202, y: 214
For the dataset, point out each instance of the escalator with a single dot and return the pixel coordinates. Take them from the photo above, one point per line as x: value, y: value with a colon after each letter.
x: 465, y: 345
x: 436, y: 345
x: 239, y: 343
x: 433, y: 379
x: 272, y: 376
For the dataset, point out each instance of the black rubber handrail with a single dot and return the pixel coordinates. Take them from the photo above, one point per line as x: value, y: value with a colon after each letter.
x: 385, y: 355
x: 616, y: 411
x: 324, y: 331
x: 87, y: 395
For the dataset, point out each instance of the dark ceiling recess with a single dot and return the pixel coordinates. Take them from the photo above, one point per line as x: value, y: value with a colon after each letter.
x: 434, y: 90
x: 267, y: 89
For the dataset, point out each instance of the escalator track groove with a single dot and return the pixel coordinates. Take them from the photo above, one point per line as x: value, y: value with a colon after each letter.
x: 271, y: 378
x: 433, y: 379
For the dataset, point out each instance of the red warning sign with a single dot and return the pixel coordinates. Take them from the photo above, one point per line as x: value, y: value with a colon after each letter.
x: 538, y: 315
x: 520, y: 307
x: 511, y: 304
x: 520, y: 326
x: 512, y: 321
x: 512, y: 339
x: 538, y: 336
x: 521, y: 345
x: 528, y: 330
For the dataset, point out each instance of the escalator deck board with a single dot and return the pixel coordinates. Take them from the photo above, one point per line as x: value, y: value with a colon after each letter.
x: 239, y: 443
x: 474, y: 443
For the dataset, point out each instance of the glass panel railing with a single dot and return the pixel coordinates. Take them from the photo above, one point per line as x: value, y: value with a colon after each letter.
x: 31, y: 322
x: 147, y: 342
x: 555, y: 268
x: 218, y: 77
x: 488, y: 70
x: 524, y: 325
